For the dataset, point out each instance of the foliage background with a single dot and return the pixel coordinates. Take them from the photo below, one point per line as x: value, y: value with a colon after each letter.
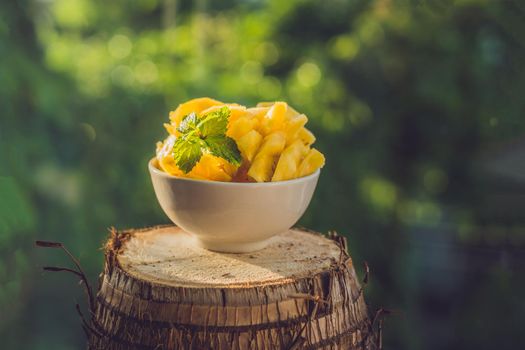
x: 418, y: 106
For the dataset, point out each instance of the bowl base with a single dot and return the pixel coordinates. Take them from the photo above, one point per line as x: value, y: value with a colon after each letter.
x: 233, y: 247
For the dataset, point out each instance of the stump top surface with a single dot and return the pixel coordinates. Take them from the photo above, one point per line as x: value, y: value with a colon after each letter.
x: 169, y: 256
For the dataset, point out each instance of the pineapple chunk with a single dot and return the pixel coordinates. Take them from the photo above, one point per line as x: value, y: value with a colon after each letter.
x: 313, y: 161
x: 171, y: 128
x: 168, y: 165
x: 289, y: 160
x: 262, y: 168
x: 196, y: 105
x: 236, y: 111
x: 265, y: 104
x: 275, y: 118
x: 210, y: 167
x: 258, y: 112
x: 273, y: 144
x: 242, y: 126
x: 290, y: 111
x: 306, y: 136
x: 293, y: 126
x: 164, y: 157
x: 249, y: 144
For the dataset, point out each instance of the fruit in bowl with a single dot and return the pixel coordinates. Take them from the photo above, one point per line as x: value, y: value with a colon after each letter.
x: 235, y: 176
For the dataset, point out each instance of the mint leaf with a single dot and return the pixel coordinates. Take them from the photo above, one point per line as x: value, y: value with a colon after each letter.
x: 224, y: 147
x: 214, y: 123
x: 188, y: 123
x: 204, y: 134
x: 187, y: 151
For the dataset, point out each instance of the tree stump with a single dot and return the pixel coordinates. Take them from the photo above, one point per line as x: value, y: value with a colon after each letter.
x: 159, y: 290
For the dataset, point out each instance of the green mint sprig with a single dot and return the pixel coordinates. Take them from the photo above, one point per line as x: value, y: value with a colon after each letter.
x: 204, y: 134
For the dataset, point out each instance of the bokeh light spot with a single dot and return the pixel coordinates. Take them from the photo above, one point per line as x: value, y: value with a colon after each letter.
x: 146, y: 72
x: 359, y: 113
x: 122, y: 75
x: 345, y: 47
x: 72, y: 13
x: 252, y: 72
x: 89, y: 131
x: 435, y: 181
x: 119, y: 46
x: 332, y: 121
x: 309, y: 74
x: 267, y: 53
x: 380, y: 193
x: 414, y: 212
x: 370, y: 31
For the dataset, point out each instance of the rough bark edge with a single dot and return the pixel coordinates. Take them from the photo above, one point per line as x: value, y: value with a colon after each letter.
x: 318, y: 293
x: 101, y: 341
x: 372, y: 339
x: 113, y: 245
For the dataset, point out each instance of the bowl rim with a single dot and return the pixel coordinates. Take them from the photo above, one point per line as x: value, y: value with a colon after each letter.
x: 154, y: 170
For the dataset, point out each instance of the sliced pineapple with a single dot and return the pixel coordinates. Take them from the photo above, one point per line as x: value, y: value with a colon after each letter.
x: 293, y: 127
x: 274, y: 119
x: 289, y: 160
x: 290, y: 111
x: 211, y: 168
x: 168, y: 165
x: 196, y: 105
x: 236, y: 111
x: 273, y: 144
x: 258, y: 112
x: 306, y: 136
x: 249, y: 144
x: 313, y: 161
x: 262, y: 168
x: 242, y: 126
x: 165, y: 158
x: 272, y: 138
x: 171, y: 128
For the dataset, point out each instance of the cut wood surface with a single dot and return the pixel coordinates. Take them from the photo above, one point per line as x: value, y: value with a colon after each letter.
x: 160, y: 290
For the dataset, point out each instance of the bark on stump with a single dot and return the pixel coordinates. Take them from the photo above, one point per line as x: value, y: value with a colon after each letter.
x: 160, y: 291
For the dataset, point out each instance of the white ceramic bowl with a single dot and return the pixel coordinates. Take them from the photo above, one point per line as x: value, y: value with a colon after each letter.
x: 228, y: 216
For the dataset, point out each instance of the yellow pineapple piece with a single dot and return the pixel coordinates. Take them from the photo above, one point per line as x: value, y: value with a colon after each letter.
x: 289, y: 160
x: 258, y: 112
x: 274, y: 119
x: 273, y: 144
x: 265, y: 104
x: 236, y: 111
x: 242, y: 126
x: 293, y: 126
x: 196, y: 105
x: 290, y: 111
x: 212, y: 168
x: 171, y: 129
x: 168, y: 165
x: 165, y: 158
x: 249, y: 144
x: 262, y: 168
x: 306, y: 136
x: 313, y: 161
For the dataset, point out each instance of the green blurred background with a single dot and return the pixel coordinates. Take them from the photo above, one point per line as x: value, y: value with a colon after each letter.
x: 418, y: 106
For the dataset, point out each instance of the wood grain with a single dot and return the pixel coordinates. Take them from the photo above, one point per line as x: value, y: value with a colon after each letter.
x: 160, y: 290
